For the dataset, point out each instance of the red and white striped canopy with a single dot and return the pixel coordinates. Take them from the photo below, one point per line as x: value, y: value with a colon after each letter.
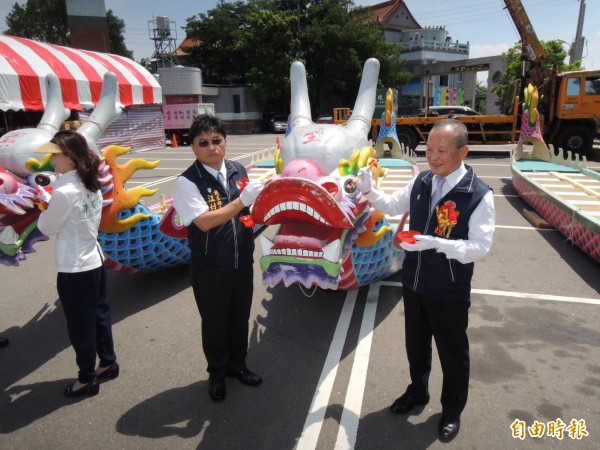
x: 24, y: 65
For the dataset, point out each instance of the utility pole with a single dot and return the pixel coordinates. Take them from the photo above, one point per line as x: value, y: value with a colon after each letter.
x: 576, y: 51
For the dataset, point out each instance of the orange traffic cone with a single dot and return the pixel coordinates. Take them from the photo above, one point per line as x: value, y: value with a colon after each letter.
x: 174, y: 141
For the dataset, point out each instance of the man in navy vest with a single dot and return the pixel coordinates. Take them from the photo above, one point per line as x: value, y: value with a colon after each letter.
x: 454, y: 211
x: 209, y: 202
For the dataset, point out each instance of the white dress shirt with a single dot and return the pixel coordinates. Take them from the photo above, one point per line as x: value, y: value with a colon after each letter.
x: 481, y: 223
x: 187, y: 201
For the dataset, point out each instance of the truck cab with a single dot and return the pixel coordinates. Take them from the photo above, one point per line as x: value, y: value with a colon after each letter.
x: 571, y: 121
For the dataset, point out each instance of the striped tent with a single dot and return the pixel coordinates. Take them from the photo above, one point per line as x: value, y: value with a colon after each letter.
x: 24, y: 64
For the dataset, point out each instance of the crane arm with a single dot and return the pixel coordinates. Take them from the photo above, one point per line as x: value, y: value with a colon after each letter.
x: 532, y: 48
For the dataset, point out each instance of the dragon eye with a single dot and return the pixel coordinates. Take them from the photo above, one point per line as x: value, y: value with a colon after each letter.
x: 41, y: 179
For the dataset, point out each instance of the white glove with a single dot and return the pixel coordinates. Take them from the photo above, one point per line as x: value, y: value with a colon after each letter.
x: 423, y: 242
x: 364, y: 180
x: 43, y: 193
x: 250, y: 192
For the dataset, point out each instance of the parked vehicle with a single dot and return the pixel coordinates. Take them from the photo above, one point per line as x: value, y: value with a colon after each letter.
x: 279, y: 124
x: 569, y: 104
x: 446, y: 110
x: 179, y: 117
x: 486, y: 129
x: 324, y: 118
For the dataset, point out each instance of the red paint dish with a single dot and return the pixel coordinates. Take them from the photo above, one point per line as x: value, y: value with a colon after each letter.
x: 407, y: 236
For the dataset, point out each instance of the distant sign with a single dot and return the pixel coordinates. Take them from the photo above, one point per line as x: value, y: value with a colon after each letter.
x: 471, y: 68
x: 181, y: 116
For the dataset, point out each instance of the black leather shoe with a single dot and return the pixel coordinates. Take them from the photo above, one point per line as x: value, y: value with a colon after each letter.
x: 449, y: 427
x: 406, y: 402
x: 110, y: 373
x: 91, y: 389
x: 3, y: 342
x: 246, y: 377
x: 217, y: 390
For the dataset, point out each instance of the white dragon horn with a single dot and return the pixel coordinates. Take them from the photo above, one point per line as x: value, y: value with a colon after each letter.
x: 55, y: 112
x: 299, y: 104
x: 105, y: 112
x: 360, y: 120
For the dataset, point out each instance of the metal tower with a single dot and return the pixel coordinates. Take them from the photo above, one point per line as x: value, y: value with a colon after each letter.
x: 164, y: 34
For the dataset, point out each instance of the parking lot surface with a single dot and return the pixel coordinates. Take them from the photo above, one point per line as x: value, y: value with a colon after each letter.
x: 332, y: 362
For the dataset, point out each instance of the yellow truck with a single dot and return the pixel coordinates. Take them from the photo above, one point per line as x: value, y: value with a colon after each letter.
x: 483, y: 129
x: 569, y: 103
x: 569, y: 110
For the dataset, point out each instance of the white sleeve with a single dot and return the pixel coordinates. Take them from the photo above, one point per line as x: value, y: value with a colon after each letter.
x: 52, y: 219
x: 188, y: 201
x: 395, y: 204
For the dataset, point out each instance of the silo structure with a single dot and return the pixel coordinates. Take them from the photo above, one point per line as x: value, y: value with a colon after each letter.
x: 182, y: 101
x: 181, y: 85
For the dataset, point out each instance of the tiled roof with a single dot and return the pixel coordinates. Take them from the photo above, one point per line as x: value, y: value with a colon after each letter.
x: 185, y: 44
x: 384, y: 11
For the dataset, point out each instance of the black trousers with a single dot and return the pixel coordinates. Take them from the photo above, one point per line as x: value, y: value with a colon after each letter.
x: 224, y: 300
x: 446, y: 321
x: 84, y: 301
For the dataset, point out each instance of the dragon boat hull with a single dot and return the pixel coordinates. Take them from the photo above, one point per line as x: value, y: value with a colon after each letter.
x: 564, y: 193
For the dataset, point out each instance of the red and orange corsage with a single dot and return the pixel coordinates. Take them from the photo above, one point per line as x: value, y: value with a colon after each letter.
x: 447, y: 217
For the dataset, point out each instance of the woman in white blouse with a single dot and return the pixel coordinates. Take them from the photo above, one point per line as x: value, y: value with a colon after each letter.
x: 73, y: 214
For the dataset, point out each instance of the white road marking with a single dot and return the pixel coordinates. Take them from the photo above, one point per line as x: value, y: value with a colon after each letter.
x: 349, y: 421
x: 314, y: 420
x: 515, y: 227
x: 528, y: 295
x: 346, y: 438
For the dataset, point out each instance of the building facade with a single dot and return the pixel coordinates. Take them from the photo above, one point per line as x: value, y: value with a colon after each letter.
x: 443, y: 72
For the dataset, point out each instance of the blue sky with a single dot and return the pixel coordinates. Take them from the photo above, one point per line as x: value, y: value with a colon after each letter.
x: 483, y: 23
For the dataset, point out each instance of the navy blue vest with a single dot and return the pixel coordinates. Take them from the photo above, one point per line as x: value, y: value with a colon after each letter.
x: 429, y: 272
x: 228, y: 246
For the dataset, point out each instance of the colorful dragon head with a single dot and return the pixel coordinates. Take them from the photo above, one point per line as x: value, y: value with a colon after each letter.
x: 21, y: 174
x: 19, y: 178
x: 324, y: 223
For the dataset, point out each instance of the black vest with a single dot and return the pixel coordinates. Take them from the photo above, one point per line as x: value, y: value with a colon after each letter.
x: 228, y: 246
x: 429, y: 272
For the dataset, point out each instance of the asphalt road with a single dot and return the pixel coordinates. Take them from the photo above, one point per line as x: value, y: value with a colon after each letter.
x: 332, y: 362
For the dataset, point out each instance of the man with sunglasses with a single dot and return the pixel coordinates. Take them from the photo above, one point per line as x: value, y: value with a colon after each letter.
x: 209, y: 202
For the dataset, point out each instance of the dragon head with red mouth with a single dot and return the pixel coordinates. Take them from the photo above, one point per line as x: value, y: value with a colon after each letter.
x: 326, y: 237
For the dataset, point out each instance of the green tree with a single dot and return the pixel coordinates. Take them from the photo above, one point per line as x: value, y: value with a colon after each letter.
x: 116, y: 39
x: 255, y: 43
x: 336, y: 40
x: 480, y: 96
x: 47, y: 21
x: 221, y: 51
x: 510, y: 82
x: 40, y: 20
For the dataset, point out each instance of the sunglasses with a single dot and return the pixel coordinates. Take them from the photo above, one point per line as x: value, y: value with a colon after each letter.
x: 214, y: 141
